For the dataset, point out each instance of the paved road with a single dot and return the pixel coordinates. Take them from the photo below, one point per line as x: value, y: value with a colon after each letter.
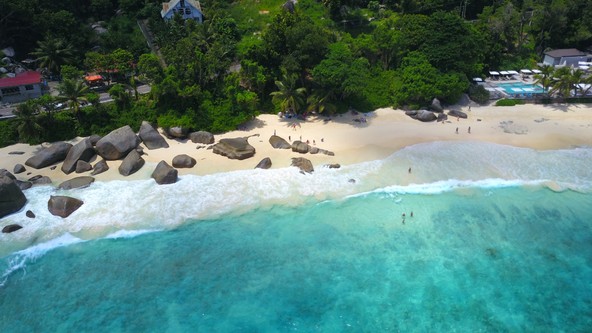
x: 6, y: 112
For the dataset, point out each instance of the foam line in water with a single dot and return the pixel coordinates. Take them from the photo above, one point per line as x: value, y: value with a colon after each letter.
x: 130, y: 233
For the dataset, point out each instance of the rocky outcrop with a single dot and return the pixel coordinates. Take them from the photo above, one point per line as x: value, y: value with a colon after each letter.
x: 63, y: 206
x: 176, y: 132
x: 11, y: 228
x: 442, y: 117
x: 184, y: 161
x: 279, y: 142
x: 12, y: 198
x: 303, y: 164
x: 42, y: 180
x: 151, y: 138
x: 30, y: 214
x: 333, y: 166
x: 94, y: 139
x: 57, y: 152
x: 23, y: 185
x: 16, y: 153
x: 201, y: 137
x: 422, y: 115
x: 118, y: 143
x: 4, y: 172
x: 83, y: 166
x: 100, y: 167
x: 131, y: 163
x: 264, y: 164
x: 19, y: 168
x: 436, y: 106
x: 300, y: 147
x: 235, y: 148
x: 78, y: 182
x: 164, y: 173
x: 457, y: 113
x: 82, y: 151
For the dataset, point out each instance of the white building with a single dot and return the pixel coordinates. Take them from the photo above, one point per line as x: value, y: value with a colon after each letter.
x: 565, y: 57
x: 20, y: 88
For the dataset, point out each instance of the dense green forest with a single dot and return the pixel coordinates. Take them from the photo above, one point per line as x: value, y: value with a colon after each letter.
x: 255, y: 56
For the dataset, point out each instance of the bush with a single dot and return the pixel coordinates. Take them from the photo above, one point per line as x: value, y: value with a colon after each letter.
x: 478, y: 94
x: 508, y: 102
x: 8, y: 133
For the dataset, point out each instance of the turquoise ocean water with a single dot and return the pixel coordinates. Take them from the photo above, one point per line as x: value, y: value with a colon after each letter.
x: 500, y: 241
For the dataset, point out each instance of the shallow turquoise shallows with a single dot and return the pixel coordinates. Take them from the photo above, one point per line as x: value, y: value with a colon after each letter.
x: 504, y: 252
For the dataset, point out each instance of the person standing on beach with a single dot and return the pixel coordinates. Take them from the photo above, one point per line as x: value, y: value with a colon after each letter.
x: 409, y: 170
x: 469, y: 129
x: 457, y: 130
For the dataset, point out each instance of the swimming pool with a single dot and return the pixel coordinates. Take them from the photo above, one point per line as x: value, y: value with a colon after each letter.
x: 519, y: 88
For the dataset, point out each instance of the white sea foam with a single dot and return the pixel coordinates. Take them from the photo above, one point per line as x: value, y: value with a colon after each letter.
x: 130, y: 233
x: 123, y: 208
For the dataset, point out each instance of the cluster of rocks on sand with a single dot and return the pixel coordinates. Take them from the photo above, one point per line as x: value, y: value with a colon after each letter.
x: 123, y: 144
x: 436, y: 112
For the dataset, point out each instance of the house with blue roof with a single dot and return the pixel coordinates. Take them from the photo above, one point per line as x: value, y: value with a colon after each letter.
x: 187, y: 9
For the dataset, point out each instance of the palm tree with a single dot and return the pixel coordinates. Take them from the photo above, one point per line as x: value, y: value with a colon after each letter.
x: 288, y: 96
x: 28, y: 128
x: 545, y: 78
x: 120, y: 95
x: 53, y: 53
x: 320, y: 102
x: 578, y: 77
x: 562, y: 82
x: 72, y: 92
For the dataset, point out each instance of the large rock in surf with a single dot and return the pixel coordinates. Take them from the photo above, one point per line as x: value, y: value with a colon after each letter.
x: 164, y: 173
x: 23, y: 185
x: 264, y: 164
x: 82, y: 151
x: 184, y: 161
x: 436, y: 106
x: 303, y: 164
x: 235, y: 148
x: 118, y: 143
x: 201, y: 137
x: 41, y: 180
x: 11, y: 197
x: 100, y: 167
x: 131, y: 163
x: 279, y: 142
x: 63, y: 206
x: 11, y: 228
x: 457, y: 113
x: 78, y: 182
x: 57, y: 152
x: 151, y: 138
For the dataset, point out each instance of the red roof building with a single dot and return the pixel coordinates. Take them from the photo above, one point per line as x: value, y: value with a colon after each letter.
x: 20, y: 88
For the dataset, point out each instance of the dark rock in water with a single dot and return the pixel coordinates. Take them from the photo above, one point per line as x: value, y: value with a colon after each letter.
x: 300, y: 147
x: 151, y: 138
x: 34, y: 178
x: 63, y: 206
x: 19, y: 168
x: 100, y: 167
x: 94, y: 139
x: 118, y: 143
x: 83, y: 166
x: 236, y: 148
x: 279, y: 142
x: 351, y: 180
x: 303, y: 164
x: 4, y: 172
x: 334, y: 166
x: 131, y: 163
x: 176, y: 132
x: 12, y: 198
x: 442, y: 117
x: 264, y: 164
x: 78, y: 182
x: 11, y: 228
x: 23, y: 185
x: 82, y: 151
x: 436, y: 106
x: 30, y: 214
x: 202, y: 137
x: 456, y: 113
x: 43, y: 180
x: 184, y: 161
x: 57, y: 152
x: 164, y: 173
x: 16, y: 153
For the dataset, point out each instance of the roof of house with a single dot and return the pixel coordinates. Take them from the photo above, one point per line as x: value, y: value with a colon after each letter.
x: 21, y: 79
x: 167, y: 6
x: 93, y: 78
x: 565, y: 53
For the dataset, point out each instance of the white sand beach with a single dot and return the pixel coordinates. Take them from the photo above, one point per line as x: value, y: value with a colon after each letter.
x: 385, y: 131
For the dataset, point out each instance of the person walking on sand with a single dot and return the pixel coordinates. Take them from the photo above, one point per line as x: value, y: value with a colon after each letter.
x: 274, y: 132
x: 289, y: 138
x: 457, y: 130
x: 409, y: 170
x: 469, y: 129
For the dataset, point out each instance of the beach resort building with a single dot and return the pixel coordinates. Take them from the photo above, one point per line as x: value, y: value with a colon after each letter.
x: 20, y: 88
x: 188, y: 9
x: 565, y: 57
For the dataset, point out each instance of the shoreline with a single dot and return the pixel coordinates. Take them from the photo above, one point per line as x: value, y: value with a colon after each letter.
x: 539, y: 127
